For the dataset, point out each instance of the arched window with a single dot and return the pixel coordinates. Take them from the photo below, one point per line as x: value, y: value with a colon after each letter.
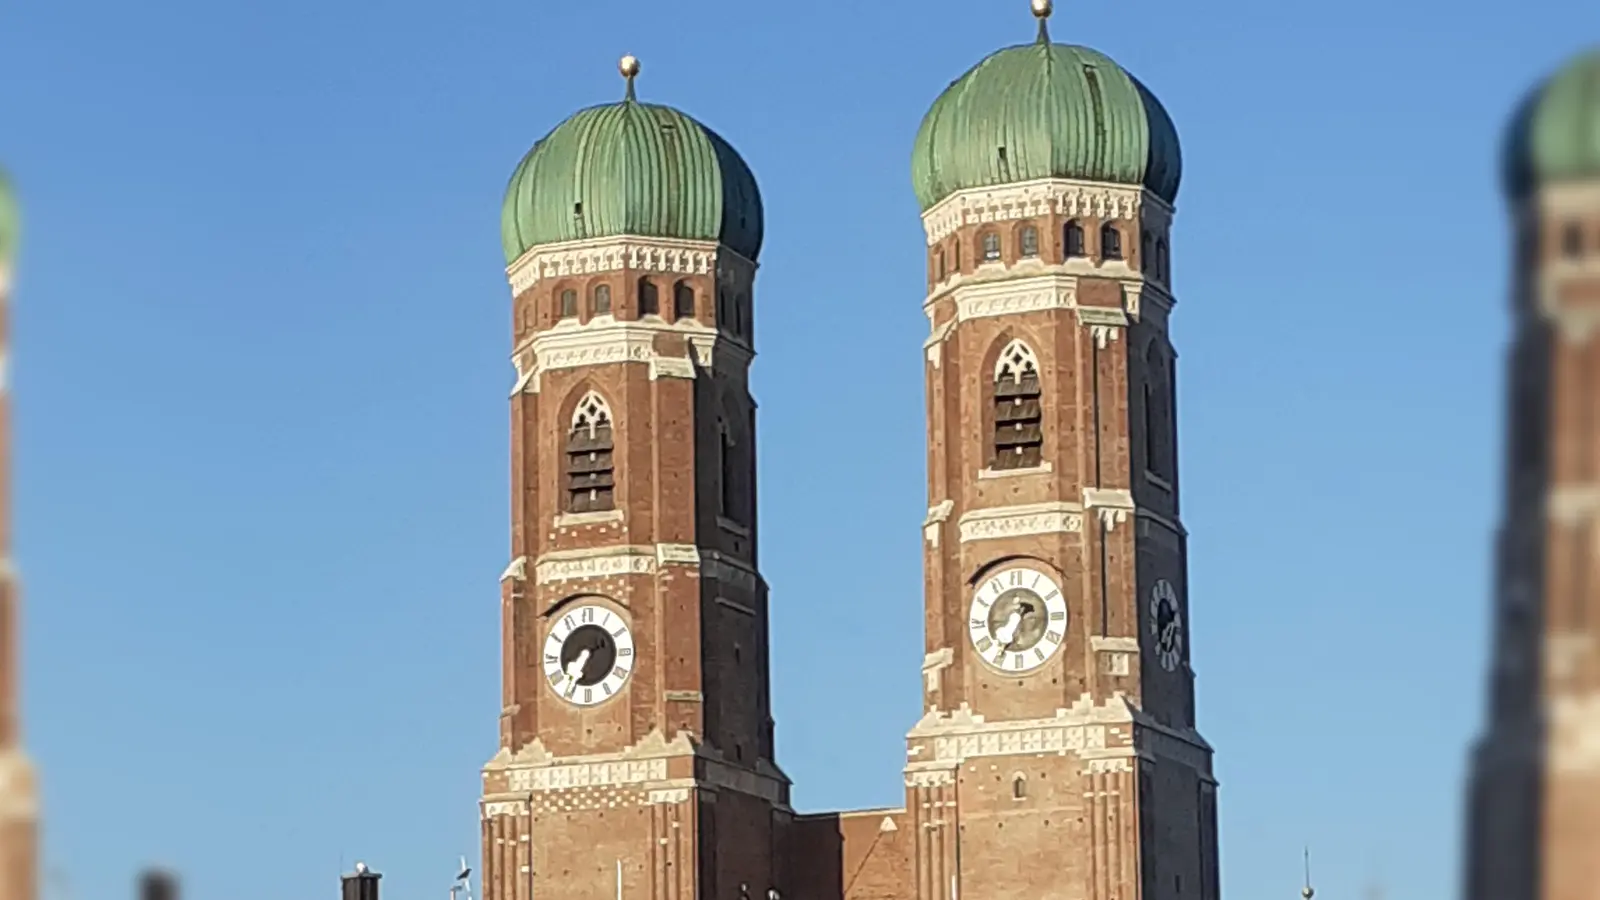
x: 1572, y: 240
x: 728, y: 473
x: 1072, y: 240
x: 1157, y: 415
x: 957, y: 248
x: 682, y: 301
x: 1019, y: 787
x: 939, y: 258
x: 1161, y: 260
x: 590, y: 485
x: 1110, y: 242
x: 1018, y: 413
x: 602, y: 299
x: 991, y: 246
x: 1029, y: 241
x: 569, y: 303
x: 649, y: 302
x: 1147, y: 254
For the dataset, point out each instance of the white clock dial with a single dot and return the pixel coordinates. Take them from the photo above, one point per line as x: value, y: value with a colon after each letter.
x: 588, y: 655
x: 1166, y: 625
x: 1018, y: 619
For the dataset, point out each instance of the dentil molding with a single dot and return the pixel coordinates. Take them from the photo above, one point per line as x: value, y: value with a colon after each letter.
x: 560, y: 566
x: 1032, y: 199
x: 636, y: 254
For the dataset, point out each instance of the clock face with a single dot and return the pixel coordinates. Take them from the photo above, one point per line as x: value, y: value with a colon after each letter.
x: 588, y: 655
x: 1018, y: 619
x: 1166, y: 625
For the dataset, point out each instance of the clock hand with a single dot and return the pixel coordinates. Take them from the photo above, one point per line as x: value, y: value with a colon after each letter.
x: 575, y: 668
x: 1006, y: 633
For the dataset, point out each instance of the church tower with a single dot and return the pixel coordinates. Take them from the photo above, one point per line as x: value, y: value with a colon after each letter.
x: 636, y: 739
x: 1057, y: 755
x: 18, y: 792
x: 1534, y: 797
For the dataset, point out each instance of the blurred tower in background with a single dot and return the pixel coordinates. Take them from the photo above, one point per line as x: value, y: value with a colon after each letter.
x: 18, y: 803
x: 1533, y: 802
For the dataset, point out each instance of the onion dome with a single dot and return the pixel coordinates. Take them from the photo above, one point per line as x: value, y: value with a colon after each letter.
x: 1555, y: 135
x: 631, y: 168
x: 1045, y: 110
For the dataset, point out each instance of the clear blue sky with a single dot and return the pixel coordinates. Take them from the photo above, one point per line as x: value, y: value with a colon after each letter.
x: 261, y: 373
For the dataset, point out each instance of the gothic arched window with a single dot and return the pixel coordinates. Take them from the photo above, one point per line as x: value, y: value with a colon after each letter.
x: 1072, y: 240
x: 1110, y: 242
x: 1029, y: 241
x: 1019, y: 787
x: 991, y: 246
x: 939, y: 267
x: 1018, y: 412
x: 682, y: 301
x: 1157, y: 414
x: 569, y: 303
x: 649, y: 300
x: 602, y: 299
x: 1572, y: 240
x: 590, y: 467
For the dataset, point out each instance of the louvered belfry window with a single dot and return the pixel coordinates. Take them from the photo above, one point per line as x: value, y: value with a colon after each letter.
x: 591, y: 486
x: 1018, y: 410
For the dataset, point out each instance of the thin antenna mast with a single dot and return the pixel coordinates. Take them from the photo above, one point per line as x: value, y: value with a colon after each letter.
x: 1307, y: 892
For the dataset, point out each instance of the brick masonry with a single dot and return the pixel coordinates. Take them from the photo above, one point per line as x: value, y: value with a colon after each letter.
x: 1534, y: 797
x: 1090, y: 761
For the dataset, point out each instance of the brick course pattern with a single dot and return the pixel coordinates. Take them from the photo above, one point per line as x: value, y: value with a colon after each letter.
x: 1090, y: 762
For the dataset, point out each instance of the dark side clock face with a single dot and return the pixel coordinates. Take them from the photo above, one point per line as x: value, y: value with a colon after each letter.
x: 1166, y: 625
x: 588, y: 655
x: 1018, y: 619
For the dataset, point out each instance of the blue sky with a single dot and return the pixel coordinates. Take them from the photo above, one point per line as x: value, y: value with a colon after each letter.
x: 262, y: 331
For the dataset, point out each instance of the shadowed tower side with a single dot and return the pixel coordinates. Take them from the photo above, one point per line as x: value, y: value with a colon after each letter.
x: 18, y: 795
x: 1534, y: 794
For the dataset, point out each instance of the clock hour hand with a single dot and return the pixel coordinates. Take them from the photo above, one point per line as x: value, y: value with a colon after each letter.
x: 1007, y: 632
x: 574, y: 669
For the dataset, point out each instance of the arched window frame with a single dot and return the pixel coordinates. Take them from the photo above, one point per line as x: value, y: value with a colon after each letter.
x: 600, y: 300
x: 1072, y: 243
x: 1019, y: 786
x: 1158, y: 426
x: 939, y: 267
x: 567, y: 303
x: 1110, y: 241
x: 589, y: 472
x: 1572, y: 243
x: 989, y: 249
x: 1018, y: 406
x: 649, y: 298
x: 682, y: 300
x: 1028, y: 241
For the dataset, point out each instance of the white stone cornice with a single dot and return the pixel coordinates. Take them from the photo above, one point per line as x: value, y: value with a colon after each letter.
x: 605, y: 340
x: 1571, y: 198
x: 639, y: 254
x: 1030, y: 199
x: 1016, y: 521
x: 1012, y: 296
x: 937, y: 515
x: 1113, y: 505
x: 1569, y: 504
x: 570, y: 565
x: 518, y: 570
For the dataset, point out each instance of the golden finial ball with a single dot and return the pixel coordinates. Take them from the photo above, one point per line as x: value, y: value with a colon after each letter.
x: 1043, y: 8
x: 629, y: 66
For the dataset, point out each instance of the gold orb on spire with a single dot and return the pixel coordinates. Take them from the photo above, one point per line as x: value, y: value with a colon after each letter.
x: 629, y: 66
x: 1043, y: 8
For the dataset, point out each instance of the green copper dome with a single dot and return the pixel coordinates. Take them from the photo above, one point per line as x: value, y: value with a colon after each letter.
x: 8, y: 220
x: 1555, y: 135
x: 636, y: 169
x: 1045, y: 110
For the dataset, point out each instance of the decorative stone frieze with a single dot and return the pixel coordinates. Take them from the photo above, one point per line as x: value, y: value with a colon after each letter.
x: 594, y: 257
x: 1032, y: 199
x: 1014, y: 521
